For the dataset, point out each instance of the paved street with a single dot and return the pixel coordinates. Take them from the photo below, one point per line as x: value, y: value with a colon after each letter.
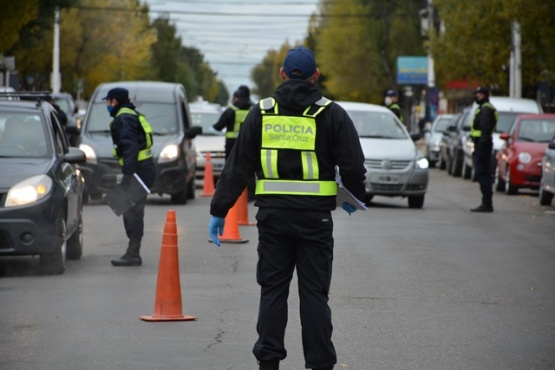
x: 436, y: 288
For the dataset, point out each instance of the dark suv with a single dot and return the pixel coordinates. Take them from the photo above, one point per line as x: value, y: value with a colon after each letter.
x: 41, y: 188
x: 166, y: 108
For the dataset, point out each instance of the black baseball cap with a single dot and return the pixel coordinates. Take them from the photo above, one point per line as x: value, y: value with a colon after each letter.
x: 483, y: 90
x: 118, y: 93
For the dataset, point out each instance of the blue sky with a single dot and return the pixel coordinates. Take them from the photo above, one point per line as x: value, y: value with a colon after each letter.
x: 234, y: 35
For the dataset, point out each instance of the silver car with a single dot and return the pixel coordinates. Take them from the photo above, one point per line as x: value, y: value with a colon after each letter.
x: 433, y: 137
x: 547, y: 184
x: 395, y: 167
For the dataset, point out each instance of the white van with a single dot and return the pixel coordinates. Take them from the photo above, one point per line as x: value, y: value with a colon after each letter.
x: 508, y: 109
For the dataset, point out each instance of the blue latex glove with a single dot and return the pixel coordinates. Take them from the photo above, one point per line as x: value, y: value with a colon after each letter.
x: 215, y: 228
x: 349, y: 208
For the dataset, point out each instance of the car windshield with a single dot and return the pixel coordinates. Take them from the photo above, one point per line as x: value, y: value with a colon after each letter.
x: 505, y: 121
x: 536, y: 130
x: 381, y: 125
x: 22, y: 136
x: 206, y: 120
x: 64, y: 105
x: 161, y: 116
x: 442, y: 124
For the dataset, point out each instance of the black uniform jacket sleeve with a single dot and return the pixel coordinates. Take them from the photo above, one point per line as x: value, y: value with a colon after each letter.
x: 129, y: 136
x: 486, y: 123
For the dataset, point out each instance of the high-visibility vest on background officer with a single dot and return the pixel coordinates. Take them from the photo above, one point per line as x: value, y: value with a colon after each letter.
x: 294, y: 142
x: 132, y: 139
x: 391, y: 103
x: 481, y: 129
x: 233, y: 117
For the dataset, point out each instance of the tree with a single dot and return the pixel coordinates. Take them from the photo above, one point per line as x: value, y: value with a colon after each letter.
x: 266, y: 74
x: 165, y: 50
x: 14, y: 16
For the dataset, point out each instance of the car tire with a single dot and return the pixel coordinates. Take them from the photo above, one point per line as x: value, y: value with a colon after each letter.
x: 440, y: 161
x: 458, y: 164
x: 498, y: 181
x: 546, y: 197
x: 191, y: 189
x: 181, y: 197
x: 416, y: 201
x: 509, y: 188
x: 53, y: 263
x: 473, y: 175
x: 467, y: 172
x: 75, y: 241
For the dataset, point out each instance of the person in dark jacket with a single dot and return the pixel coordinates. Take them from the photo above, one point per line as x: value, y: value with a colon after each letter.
x: 481, y: 129
x: 233, y: 117
x: 293, y: 141
x: 132, y: 148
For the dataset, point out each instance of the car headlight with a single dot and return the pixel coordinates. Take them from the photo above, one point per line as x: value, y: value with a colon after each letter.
x: 169, y: 153
x: 422, y: 163
x: 524, y: 157
x: 29, y: 191
x: 89, y: 153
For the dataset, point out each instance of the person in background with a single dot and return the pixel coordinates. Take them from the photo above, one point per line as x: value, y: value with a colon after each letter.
x: 481, y: 129
x: 233, y: 117
x: 295, y: 192
x: 132, y: 146
x: 391, y: 103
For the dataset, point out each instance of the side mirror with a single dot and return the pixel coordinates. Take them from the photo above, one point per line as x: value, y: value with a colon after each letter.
x: 551, y: 145
x: 193, y: 132
x: 504, y: 136
x: 452, y: 129
x: 75, y: 155
x: 415, y: 137
x: 466, y: 128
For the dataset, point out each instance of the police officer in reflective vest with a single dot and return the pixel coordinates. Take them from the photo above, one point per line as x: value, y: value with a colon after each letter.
x: 293, y: 141
x: 481, y: 129
x: 391, y: 102
x: 132, y: 139
x: 233, y: 117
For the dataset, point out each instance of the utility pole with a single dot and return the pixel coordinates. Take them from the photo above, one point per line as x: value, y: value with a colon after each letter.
x: 56, y: 80
x: 515, y: 73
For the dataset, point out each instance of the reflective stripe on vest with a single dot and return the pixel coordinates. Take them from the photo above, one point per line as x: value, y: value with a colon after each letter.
x: 478, y: 133
x: 240, y: 115
x: 291, y: 133
x: 147, y: 151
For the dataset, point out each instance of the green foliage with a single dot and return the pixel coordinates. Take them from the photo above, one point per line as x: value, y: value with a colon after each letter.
x: 15, y: 15
x: 266, y: 74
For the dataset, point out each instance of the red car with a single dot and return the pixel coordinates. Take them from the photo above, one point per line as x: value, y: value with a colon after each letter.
x: 519, y: 160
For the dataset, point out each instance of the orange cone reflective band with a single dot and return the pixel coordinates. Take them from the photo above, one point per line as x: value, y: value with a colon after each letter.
x: 167, y: 304
x: 243, y: 211
x: 208, y: 186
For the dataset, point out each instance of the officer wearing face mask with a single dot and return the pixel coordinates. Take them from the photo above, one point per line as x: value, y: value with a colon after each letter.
x: 481, y: 128
x: 132, y: 146
x: 391, y: 103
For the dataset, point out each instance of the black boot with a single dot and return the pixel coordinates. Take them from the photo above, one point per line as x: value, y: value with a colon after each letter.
x: 131, y: 257
x: 482, y: 208
x: 268, y: 365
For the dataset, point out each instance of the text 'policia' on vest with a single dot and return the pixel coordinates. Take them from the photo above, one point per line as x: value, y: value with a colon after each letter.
x: 145, y: 152
x: 291, y: 133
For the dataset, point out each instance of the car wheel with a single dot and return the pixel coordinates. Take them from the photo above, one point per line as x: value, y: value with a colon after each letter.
x: 499, y: 182
x: 416, y: 201
x: 509, y: 188
x: 467, y: 172
x: 181, y: 197
x: 191, y: 189
x: 75, y: 242
x: 54, y: 263
x: 473, y: 174
x: 457, y: 165
x: 440, y: 161
x: 368, y: 199
x: 448, y: 165
x: 545, y: 197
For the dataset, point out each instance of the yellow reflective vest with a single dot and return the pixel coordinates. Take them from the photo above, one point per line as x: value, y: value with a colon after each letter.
x: 478, y: 133
x: 144, y: 153
x: 240, y: 115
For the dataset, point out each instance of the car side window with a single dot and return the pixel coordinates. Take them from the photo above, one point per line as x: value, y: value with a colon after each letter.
x: 59, y: 135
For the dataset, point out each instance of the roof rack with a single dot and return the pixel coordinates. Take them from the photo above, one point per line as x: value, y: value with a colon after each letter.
x: 37, y: 96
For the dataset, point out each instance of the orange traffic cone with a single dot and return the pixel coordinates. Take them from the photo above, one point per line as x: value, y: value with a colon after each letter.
x: 243, y: 211
x: 167, y: 305
x: 231, y: 228
x: 208, y: 186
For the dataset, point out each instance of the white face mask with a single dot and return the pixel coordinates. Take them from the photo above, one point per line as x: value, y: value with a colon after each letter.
x: 388, y: 100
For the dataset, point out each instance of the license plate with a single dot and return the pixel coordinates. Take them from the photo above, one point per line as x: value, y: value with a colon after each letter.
x: 386, y: 179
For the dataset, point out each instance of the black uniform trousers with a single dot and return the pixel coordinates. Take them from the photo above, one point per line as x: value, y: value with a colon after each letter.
x: 133, y: 219
x: 289, y: 239
x: 482, y: 163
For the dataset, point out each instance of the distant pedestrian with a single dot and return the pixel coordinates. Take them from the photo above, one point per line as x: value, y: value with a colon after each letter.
x: 132, y: 146
x: 391, y: 103
x: 481, y: 129
x: 293, y: 141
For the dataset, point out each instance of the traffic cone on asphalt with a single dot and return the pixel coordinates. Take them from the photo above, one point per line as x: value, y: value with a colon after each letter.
x: 231, y: 228
x: 208, y: 186
x: 167, y: 304
x: 243, y: 211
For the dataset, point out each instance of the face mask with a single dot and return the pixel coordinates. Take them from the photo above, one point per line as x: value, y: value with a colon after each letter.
x: 110, y: 108
x: 388, y: 100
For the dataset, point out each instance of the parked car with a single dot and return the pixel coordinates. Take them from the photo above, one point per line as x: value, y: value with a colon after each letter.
x: 395, y: 167
x: 519, y: 160
x: 458, y: 132
x: 41, y: 188
x: 444, y: 143
x: 211, y: 141
x: 434, y: 135
x: 547, y: 183
x: 166, y: 108
x: 66, y: 103
x: 508, y: 109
